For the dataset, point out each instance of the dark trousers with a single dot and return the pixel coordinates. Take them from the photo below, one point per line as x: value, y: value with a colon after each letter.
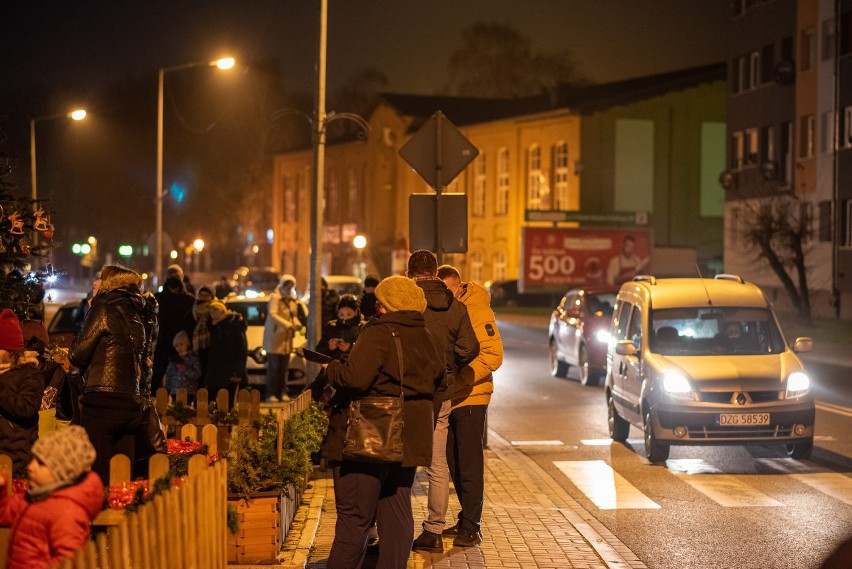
x: 277, y: 370
x: 364, y: 491
x: 111, y: 435
x: 466, y: 460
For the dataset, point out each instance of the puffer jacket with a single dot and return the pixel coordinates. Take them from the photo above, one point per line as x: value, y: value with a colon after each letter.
x: 475, y: 383
x: 447, y: 320
x: 21, y: 389
x: 112, y: 343
x: 48, y: 530
x: 373, y: 369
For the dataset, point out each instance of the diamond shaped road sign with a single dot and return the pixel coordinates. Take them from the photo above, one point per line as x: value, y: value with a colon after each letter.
x: 438, y: 147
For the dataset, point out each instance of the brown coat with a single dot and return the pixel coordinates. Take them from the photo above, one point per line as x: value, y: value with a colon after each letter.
x: 372, y: 369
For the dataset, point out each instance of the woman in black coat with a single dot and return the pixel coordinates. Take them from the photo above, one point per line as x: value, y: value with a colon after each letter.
x: 21, y: 388
x: 364, y: 490
x: 226, y: 356
x: 110, y: 350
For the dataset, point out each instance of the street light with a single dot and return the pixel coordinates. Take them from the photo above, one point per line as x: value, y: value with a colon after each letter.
x: 223, y: 63
x: 77, y: 115
x: 359, y: 242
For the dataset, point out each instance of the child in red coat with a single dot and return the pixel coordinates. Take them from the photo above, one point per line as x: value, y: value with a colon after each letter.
x: 53, y: 519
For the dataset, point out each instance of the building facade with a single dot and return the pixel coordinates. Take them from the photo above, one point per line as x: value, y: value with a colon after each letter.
x: 651, y: 146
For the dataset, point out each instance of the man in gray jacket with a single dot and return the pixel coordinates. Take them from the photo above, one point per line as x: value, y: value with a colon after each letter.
x: 447, y: 319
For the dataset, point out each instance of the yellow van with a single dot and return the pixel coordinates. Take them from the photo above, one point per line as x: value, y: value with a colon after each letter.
x: 696, y: 361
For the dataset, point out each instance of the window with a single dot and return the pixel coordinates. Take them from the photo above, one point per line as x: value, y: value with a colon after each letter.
x: 479, y: 186
x: 754, y: 70
x: 289, y: 199
x: 827, y: 141
x: 767, y: 144
x: 634, y: 332
x: 352, y: 191
x: 847, y: 223
x: 734, y: 221
x: 499, y: 271
x: 619, y: 323
x: 785, y: 154
x: 537, y: 191
x: 806, y: 136
x: 737, y: 150
x: 751, y: 145
x: 767, y: 63
x: 807, y: 50
x: 333, y: 196
x: 825, y: 226
x: 560, y: 175
x: 502, y: 204
x: 476, y: 266
x: 829, y: 39
x: 845, y: 33
x: 846, y: 138
x: 736, y: 74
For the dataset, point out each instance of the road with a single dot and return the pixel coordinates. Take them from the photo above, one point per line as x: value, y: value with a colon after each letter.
x: 732, y: 507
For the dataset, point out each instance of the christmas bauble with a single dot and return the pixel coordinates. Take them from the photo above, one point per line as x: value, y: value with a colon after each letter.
x: 47, y: 234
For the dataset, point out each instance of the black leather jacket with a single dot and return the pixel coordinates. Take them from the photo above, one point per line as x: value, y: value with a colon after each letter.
x: 112, y: 342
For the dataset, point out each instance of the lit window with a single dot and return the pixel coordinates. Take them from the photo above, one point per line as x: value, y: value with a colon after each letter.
x: 560, y: 176
x: 479, y: 186
x: 502, y: 203
x: 537, y: 190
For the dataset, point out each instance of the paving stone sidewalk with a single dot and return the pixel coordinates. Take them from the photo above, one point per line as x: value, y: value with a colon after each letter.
x: 528, y: 521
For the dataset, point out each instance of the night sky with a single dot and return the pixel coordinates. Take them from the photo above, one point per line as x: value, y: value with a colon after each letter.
x: 106, y: 53
x: 410, y: 40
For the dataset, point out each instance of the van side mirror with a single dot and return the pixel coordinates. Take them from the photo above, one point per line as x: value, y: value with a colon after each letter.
x: 626, y: 348
x: 803, y: 344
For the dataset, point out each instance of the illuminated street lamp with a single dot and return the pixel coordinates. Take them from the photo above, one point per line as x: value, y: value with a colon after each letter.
x: 77, y: 115
x: 359, y: 242
x: 198, y: 245
x: 224, y: 63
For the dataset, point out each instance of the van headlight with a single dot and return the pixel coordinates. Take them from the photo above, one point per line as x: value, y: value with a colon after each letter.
x: 798, y: 384
x: 603, y: 336
x: 676, y: 385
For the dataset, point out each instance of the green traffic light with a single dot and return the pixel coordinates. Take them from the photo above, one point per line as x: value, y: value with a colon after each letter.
x: 125, y: 250
x: 77, y: 249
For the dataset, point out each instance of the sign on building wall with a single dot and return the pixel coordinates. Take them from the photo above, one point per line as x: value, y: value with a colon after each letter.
x: 555, y: 259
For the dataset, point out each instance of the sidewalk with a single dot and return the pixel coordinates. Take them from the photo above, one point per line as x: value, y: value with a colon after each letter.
x: 528, y: 521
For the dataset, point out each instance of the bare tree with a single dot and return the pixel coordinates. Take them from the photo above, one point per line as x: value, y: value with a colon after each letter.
x: 496, y: 61
x: 778, y: 233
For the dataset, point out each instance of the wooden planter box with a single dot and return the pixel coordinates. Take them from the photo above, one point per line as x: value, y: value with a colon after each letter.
x: 264, y: 522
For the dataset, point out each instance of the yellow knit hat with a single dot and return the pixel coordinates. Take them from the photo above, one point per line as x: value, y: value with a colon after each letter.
x: 400, y: 293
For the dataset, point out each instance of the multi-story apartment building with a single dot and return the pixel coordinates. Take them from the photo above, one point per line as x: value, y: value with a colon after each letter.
x: 652, y: 146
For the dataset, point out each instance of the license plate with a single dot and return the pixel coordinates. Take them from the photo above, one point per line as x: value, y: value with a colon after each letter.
x: 743, y: 419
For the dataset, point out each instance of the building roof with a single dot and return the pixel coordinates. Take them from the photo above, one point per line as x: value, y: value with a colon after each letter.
x: 463, y: 111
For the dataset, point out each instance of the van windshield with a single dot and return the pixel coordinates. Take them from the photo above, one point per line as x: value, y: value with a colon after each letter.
x: 714, y: 331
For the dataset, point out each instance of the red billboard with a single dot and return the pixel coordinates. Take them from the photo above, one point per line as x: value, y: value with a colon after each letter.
x: 558, y: 259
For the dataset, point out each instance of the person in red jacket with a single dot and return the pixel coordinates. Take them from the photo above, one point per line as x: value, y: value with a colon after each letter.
x: 53, y: 519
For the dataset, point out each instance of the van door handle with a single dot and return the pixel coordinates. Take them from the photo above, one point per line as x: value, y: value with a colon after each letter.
x: 621, y: 368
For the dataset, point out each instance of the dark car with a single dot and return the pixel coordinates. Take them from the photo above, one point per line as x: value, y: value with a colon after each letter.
x: 505, y: 293
x: 579, y: 333
x: 67, y: 321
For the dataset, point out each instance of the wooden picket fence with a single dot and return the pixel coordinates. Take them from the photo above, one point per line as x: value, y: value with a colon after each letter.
x: 185, y: 527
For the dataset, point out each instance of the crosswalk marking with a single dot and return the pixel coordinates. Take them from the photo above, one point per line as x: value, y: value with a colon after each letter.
x: 537, y: 443
x: 838, y: 486
x: 727, y: 490
x: 596, y: 442
x: 607, y: 489
x: 690, y: 466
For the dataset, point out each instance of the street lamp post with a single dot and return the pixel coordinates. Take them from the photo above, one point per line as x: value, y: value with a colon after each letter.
x: 359, y: 242
x: 224, y: 63
x: 77, y: 115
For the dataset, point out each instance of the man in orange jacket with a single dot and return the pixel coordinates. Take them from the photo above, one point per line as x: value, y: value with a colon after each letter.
x: 472, y: 393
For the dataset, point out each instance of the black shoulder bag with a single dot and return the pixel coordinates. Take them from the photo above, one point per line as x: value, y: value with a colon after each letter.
x: 374, y: 431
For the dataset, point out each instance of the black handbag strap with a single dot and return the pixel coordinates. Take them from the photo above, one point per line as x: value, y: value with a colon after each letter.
x: 398, y: 345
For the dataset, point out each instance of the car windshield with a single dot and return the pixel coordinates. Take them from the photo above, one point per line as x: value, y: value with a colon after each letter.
x: 67, y: 319
x: 714, y: 331
x: 253, y: 312
x: 601, y: 304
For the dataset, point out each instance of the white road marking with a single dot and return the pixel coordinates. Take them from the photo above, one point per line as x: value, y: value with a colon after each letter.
x: 690, y: 466
x: 537, y: 443
x: 838, y: 486
x: 596, y: 442
x: 607, y: 489
x: 831, y: 408
x: 727, y: 490
x: 790, y: 465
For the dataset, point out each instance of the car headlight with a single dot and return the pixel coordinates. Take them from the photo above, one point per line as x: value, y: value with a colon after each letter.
x: 259, y: 355
x: 603, y: 336
x: 676, y: 384
x: 798, y: 383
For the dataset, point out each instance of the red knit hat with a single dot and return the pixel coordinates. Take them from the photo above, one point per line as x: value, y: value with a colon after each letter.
x: 11, y: 337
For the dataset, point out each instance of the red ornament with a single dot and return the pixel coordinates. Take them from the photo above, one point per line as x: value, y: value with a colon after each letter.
x: 48, y: 233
